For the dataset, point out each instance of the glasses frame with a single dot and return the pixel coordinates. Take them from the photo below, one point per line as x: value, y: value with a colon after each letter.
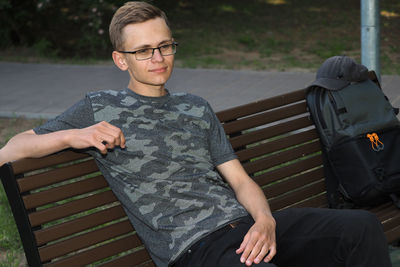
x: 174, y: 45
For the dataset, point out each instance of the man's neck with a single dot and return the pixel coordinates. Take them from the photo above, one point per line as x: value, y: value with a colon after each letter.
x: 148, y: 90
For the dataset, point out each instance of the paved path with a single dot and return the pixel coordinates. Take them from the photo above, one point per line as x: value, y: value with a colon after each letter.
x: 45, y: 90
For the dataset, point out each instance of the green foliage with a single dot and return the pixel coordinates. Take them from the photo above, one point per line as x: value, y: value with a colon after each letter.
x: 64, y: 28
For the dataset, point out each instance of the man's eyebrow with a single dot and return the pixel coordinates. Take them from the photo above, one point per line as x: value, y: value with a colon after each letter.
x: 166, y: 41
x: 149, y: 46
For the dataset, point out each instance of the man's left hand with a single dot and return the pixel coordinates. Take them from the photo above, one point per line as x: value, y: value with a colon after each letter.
x: 259, y: 243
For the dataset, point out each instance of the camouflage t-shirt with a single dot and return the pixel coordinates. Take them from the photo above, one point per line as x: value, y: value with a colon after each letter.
x: 165, y: 177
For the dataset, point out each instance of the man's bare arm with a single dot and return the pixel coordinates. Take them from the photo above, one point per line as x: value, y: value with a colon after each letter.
x: 259, y: 243
x: 28, y: 144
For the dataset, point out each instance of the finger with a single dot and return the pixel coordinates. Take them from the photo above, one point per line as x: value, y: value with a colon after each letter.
x: 264, y: 251
x: 102, y: 142
x: 258, y: 251
x: 101, y: 147
x: 113, y: 132
x: 243, y: 244
x: 123, y: 143
x: 111, y: 137
x: 246, y: 252
x: 111, y: 128
x: 105, y: 138
x: 271, y: 254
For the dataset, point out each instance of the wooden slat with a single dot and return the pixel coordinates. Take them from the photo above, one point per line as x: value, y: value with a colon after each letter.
x: 319, y: 201
x: 393, y: 234
x: 57, y: 175
x: 258, y: 106
x: 380, y: 208
x: 391, y: 223
x: 281, y: 157
x: 264, y: 118
x: 266, y: 133
x: 68, y: 228
x: 102, y: 252
x: 272, y: 146
x: 297, y: 196
x: 289, y: 170
x: 76, y: 243
x: 290, y: 184
x: 27, y: 165
x: 129, y: 260
x: 388, y: 213
x: 71, y: 208
x: 63, y: 192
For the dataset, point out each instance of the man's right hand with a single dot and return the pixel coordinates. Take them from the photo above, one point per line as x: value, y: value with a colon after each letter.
x: 102, y: 136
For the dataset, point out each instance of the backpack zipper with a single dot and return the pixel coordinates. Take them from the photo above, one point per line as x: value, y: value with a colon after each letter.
x: 318, y: 104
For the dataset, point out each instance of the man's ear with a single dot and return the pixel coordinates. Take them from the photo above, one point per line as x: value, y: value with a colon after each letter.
x: 119, y: 61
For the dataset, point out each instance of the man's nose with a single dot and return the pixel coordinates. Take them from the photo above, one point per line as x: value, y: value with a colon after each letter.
x: 157, y: 56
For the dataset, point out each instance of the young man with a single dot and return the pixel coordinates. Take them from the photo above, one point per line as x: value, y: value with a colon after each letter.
x: 160, y: 153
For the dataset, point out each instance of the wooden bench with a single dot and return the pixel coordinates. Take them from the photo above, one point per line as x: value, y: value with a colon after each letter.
x: 67, y: 215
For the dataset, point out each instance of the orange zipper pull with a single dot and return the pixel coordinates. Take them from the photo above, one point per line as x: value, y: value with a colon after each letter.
x: 376, y: 144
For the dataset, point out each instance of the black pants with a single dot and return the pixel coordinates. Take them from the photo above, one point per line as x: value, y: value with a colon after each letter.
x: 305, y: 238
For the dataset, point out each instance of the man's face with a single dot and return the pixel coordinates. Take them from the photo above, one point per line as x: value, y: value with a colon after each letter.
x: 154, y: 72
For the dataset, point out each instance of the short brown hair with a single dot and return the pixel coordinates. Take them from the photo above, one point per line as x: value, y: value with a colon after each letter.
x: 131, y: 12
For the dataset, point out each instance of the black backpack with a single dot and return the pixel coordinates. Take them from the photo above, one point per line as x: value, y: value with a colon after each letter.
x: 359, y: 134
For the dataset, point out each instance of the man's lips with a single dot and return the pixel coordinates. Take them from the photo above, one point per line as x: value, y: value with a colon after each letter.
x: 159, y: 70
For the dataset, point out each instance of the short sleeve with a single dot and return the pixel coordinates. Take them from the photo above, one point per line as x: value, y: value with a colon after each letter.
x: 220, y: 148
x: 78, y: 116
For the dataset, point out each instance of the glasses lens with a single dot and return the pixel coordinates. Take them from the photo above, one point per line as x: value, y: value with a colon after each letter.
x: 167, y: 50
x: 144, y: 54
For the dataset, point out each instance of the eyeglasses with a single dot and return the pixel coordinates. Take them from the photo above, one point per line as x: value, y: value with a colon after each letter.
x: 147, y: 53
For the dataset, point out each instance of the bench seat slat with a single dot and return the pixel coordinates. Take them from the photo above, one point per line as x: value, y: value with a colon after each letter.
x: 57, y: 175
x: 76, y: 206
x: 103, y: 252
x: 265, y: 118
x: 130, y: 260
x: 80, y: 224
x: 393, y: 234
x: 63, y: 192
x: 381, y: 208
x: 82, y: 241
x: 389, y: 217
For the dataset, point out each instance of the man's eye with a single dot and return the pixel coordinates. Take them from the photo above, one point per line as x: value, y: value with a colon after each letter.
x: 166, y: 47
x: 143, y: 51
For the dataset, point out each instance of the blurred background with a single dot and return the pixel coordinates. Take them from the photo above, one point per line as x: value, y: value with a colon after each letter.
x: 277, y: 35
